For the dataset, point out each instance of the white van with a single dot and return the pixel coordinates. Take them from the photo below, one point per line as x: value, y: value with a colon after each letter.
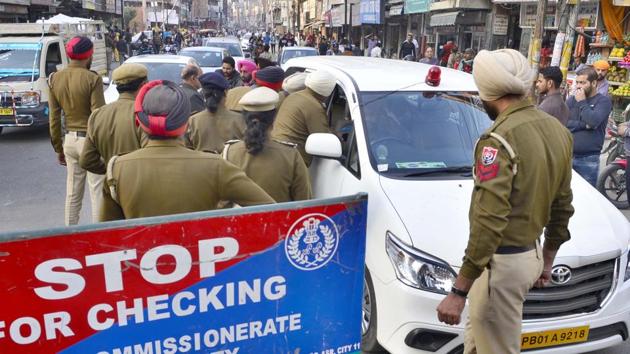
x: 410, y: 145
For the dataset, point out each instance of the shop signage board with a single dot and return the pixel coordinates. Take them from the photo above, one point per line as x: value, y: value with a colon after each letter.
x: 336, y: 16
x: 284, y: 278
x: 500, y: 25
x: 417, y: 6
x: 371, y: 12
x: 529, y: 13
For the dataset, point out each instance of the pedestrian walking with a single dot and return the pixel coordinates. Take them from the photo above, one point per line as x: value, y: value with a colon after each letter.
x: 407, y: 49
x: 302, y: 113
x: 523, y: 153
x: 272, y: 43
x: 322, y: 47
x: 109, y: 51
x: 210, y: 129
x: 228, y: 69
x: 165, y: 177
x: 77, y: 92
x: 275, y: 166
x: 552, y: 101
x: 111, y: 129
x: 190, y: 85
x: 376, y: 52
x: 446, y: 52
x: 588, y: 115
x: 466, y: 64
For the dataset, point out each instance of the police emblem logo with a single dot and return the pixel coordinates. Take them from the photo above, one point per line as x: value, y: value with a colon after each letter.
x: 311, y: 241
x: 488, y: 155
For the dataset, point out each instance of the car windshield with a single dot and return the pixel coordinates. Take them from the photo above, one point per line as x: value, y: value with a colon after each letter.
x: 204, y: 58
x: 164, y: 71
x: 233, y: 48
x: 419, y: 133
x: 289, y: 54
x: 16, y: 59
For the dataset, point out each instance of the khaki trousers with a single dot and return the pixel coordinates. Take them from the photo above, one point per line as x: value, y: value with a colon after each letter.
x: 75, y: 183
x: 496, y: 303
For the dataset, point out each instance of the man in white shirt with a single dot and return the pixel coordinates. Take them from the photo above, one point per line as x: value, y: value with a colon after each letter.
x: 376, y: 51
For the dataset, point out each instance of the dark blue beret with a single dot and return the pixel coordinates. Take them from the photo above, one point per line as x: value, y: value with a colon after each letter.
x: 214, y: 80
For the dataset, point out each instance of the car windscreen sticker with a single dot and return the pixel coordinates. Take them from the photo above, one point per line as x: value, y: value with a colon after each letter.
x: 421, y: 164
x: 382, y: 167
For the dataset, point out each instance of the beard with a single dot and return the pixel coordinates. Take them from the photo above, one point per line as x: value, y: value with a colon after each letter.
x: 247, y: 77
x: 490, y: 110
x: 601, y: 77
x: 588, y: 91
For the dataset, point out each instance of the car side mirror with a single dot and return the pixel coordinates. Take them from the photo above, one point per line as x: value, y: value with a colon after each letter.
x: 324, y: 145
x: 106, y: 81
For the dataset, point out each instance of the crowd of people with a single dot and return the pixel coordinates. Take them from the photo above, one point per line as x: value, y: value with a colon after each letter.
x: 215, y: 139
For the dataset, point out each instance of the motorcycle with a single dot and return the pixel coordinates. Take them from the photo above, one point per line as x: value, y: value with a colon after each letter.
x: 170, y: 49
x: 614, y: 149
x: 611, y: 183
x: 144, y: 48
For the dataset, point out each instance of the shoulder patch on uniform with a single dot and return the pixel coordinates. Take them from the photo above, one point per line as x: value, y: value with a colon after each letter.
x: 287, y: 143
x: 486, y: 172
x: 489, y: 155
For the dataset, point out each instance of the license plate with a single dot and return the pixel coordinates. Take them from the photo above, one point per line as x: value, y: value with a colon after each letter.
x: 6, y: 111
x: 554, y: 337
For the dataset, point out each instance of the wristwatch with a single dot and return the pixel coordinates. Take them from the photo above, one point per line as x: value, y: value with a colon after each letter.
x: 459, y: 292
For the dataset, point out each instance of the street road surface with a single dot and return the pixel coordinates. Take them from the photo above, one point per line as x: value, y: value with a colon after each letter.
x: 33, y: 185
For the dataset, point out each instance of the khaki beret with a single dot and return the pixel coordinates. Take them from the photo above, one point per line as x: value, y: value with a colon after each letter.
x: 129, y: 72
x: 260, y: 99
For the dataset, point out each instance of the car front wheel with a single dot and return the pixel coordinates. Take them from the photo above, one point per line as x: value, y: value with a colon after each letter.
x: 369, y: 343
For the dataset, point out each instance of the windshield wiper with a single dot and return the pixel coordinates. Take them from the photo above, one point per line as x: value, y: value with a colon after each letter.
x: 466, y: 171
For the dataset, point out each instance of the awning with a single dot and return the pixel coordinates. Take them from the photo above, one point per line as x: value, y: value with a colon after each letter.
x: 444, y: 19
x: 396, y: 10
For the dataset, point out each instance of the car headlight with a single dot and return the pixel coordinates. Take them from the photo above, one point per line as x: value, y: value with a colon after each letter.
x: 626, y: 276
x: 418, y: 269
x: 29, y: 98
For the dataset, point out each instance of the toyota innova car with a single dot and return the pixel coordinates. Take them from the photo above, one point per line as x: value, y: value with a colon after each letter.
x: 407, y: 139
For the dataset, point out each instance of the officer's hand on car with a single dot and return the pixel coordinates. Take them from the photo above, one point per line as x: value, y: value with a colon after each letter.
x: 450, y: 309
x: 61, y: 158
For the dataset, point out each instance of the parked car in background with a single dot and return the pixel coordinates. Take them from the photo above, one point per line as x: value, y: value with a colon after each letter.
x: 208, y: 58
x: 232, y: 45
x: 295, y: 52
x: 409, y: 145
x: 160, y: 67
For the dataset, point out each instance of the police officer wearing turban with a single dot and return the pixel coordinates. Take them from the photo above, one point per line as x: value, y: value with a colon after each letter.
x: 270, y: 77
x: 165, y: 177
x: 112, y: 129
x: 77, y: 92
x: 294, y: 83
x: 210, y: 129
x: 261, y: 157
x: 303, y: 113
x: 524, y: 153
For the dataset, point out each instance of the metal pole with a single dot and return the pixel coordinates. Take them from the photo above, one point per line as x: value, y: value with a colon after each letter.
x: 559, y: 43
x: 350, y: 27
x: 568, y: 43
x: 534, y: 47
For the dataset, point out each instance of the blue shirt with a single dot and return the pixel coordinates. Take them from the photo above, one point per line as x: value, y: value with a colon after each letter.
x: 587, y: 123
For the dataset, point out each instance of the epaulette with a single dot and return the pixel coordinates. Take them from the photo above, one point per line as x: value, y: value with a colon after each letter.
x: 233, y: 141
x: 94, y: 72
x: 293, y: 145
x: 50, y: 79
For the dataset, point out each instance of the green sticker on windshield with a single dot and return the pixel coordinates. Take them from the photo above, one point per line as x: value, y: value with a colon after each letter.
x: 420, y: 164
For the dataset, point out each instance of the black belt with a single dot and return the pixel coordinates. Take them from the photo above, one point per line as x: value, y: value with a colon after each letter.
x: 79, y: 134
x: 513, y: 249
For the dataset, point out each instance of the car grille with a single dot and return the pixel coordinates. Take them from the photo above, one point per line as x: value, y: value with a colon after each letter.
x: 7, y: 101
x: 585, y: 292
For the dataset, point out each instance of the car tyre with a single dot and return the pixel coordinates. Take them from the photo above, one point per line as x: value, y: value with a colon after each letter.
x: 369, y: 342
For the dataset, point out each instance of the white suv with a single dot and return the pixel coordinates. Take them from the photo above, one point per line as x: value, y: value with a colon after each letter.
x: 409, y: 145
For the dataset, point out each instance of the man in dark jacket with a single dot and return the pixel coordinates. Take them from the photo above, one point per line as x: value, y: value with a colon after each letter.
x: 589, y: 112
x: 407, y: 48
x: 229, y: 72
x: 191, y: 85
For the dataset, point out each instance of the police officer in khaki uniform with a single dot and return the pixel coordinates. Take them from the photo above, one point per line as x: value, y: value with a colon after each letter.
x: 112, y: 129
x: 165, y: 177
x: 211, y: 129
x: 522, y: 186
x: 271, y: 77
x: 294, y: 83
x: 303, y: 113
x: 77, y: 92
x: 275, y: 166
